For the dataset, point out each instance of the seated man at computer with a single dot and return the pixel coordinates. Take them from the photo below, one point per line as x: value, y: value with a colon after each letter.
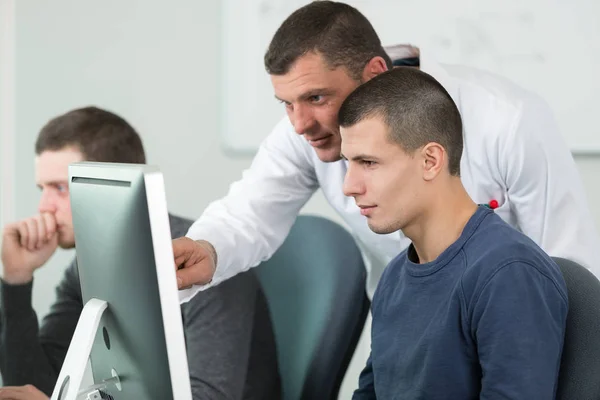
x: 229, y: 337
x: 472, y: 308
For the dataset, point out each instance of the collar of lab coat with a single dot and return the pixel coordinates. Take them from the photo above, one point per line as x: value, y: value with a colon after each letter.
x: 427, y: 64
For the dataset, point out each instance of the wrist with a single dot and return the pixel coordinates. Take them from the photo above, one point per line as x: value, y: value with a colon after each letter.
x: 17, y: 278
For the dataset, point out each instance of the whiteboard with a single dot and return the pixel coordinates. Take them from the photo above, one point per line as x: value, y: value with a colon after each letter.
x: 549, y: 46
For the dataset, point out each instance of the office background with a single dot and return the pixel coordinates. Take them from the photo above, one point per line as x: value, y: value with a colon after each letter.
x: 164, y: 67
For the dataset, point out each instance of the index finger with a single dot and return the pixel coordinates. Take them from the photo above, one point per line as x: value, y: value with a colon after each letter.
x: 179, y: 253
x: 198, y: 274
x: 183, y: 251
x: 50, y: 223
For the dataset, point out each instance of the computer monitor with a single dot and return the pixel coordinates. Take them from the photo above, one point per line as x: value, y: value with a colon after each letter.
x: 131, y: 326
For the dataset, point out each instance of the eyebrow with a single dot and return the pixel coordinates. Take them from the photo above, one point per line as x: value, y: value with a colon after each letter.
x: 311, y: 93
x: 360, y: 157
x: 52, y: 183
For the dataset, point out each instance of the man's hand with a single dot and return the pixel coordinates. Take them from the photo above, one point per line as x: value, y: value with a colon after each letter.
x: 196, y: 261
x: 28, y: 392
x: 26, y: 246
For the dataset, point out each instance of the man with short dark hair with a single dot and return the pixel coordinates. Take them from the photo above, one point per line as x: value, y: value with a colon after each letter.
x: 334, y: 28
x: 472, y: 308
x: 514, y: 158
x: 229, y: 338
x: 100, y: 135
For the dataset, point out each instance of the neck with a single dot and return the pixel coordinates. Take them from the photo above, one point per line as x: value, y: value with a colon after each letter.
x: 442, y: 223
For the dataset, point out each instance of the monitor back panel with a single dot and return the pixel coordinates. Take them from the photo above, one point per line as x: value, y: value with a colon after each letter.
x: 116, y: 264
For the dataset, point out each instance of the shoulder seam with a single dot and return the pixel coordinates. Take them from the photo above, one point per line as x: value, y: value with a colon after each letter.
x: 477, y: 297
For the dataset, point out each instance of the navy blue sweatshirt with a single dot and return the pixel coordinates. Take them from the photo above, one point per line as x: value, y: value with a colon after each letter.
x: 485, y: 320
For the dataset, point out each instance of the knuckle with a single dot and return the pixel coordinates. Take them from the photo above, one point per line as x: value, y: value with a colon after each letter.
x: 23, y: 231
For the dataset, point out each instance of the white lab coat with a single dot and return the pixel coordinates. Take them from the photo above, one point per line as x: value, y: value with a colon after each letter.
x: 513, y: 153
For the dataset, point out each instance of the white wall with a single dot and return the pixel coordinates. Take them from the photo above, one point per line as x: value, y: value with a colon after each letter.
x: 169, y: 90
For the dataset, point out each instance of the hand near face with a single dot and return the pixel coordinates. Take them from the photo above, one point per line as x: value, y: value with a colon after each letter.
x: 26, y: 246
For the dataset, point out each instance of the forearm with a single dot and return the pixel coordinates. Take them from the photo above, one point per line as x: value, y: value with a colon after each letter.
x: 248, y: 225
x: 23, y: 359
x: 242, y: 240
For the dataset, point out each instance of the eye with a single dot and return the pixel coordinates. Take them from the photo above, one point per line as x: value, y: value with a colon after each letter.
x: 62, y: 188
x: 316, y: 99
x: 368, y: 163
x: 287, y: 104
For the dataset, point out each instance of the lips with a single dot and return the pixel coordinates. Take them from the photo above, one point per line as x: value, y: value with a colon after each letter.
x: 366, y: 210
x: 316, y: 142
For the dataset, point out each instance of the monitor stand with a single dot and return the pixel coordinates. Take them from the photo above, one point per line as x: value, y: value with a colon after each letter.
x: 71, y: 374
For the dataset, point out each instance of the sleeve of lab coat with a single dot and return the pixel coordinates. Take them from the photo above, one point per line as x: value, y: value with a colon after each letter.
x: 545, y: 188
x: 248, y: 225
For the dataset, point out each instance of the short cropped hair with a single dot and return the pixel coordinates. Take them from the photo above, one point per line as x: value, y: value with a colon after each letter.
x: 415, y: 107
x: 337, y: 31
